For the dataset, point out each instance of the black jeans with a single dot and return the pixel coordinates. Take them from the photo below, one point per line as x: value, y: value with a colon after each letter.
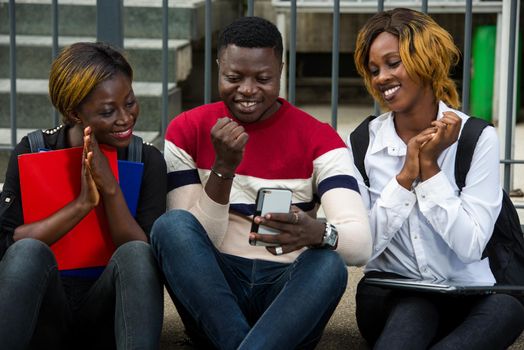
x: 393, y: 319
x: 123, y: 307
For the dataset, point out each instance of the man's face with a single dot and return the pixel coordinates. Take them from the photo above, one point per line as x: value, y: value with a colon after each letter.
x: 249, y: 82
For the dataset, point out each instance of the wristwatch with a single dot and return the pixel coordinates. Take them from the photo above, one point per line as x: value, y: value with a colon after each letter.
x: 330, y: 238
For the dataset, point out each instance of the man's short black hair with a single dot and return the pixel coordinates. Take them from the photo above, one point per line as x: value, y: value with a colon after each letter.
x: 251, y: 32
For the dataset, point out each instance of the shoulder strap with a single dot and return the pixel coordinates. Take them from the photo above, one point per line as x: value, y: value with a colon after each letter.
x: 134, y: 150
x: 465, y: 148
x: 359, y: 139
x: 36, y: 140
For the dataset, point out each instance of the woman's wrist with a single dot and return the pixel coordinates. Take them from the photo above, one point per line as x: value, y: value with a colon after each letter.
x: 82, y: 206
x: 110, y: 190
x: 428, y: 168
x: 405, y: 181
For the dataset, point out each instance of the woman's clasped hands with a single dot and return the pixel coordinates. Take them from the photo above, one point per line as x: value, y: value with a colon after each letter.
x: 424, y: 149
x: 97, y: 177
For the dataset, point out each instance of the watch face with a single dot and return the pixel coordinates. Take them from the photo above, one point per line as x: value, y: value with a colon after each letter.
x: 331, y: 236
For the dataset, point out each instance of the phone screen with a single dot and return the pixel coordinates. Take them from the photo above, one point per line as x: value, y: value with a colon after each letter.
x: 270, y: 200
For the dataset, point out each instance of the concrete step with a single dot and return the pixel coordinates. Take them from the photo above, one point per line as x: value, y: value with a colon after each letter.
x: 145, y: 55
x: 142, y: 18
x: 34, y: 110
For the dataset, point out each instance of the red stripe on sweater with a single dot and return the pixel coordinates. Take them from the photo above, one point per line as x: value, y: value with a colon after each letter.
x: 281, y: 147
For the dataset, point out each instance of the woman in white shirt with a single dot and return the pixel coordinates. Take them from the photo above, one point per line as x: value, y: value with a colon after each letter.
x: 422, y: 227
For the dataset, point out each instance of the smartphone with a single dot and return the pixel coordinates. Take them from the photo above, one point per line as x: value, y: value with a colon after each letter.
x: 270, y: 200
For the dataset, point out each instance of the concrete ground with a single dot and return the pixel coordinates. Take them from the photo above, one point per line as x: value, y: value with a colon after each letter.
x: 341, y: 331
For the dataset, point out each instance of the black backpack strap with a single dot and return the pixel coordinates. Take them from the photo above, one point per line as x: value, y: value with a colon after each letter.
x: 36, y: 140
x: 134, y: 150
x: 466, y: 147
x: 359, y: 140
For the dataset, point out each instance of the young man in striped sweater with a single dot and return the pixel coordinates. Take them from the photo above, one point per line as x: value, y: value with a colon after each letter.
x: 229, y: 293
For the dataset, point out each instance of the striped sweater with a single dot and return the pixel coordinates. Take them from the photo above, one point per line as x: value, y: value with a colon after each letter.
x: 291, y: 149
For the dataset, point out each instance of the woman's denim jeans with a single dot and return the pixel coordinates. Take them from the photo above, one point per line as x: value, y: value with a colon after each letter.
x: 125, y: 301
x: 238, y: 303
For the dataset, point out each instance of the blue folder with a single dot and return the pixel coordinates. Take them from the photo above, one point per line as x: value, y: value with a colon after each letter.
x: 130, y: 177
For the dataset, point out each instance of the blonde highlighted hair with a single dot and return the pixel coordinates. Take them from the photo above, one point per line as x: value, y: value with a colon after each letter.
x: 78, y: 69
x: 426, y: 49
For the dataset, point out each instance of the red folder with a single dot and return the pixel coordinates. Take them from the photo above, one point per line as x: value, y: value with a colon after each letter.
x: 48, y: 182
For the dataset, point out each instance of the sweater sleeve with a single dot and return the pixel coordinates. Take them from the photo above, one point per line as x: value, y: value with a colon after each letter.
x: 185, y: 186
x: 343, y: 206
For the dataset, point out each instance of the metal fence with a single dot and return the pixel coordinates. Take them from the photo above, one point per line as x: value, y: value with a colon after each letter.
x: 110, y: 29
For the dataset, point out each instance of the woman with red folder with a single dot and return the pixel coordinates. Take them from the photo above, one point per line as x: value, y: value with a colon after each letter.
x: 120, y: 304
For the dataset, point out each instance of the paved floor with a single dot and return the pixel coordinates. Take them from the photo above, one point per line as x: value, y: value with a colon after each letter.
x: 340, y: 333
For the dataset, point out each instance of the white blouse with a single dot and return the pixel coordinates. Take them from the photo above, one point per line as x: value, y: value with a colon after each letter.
x: 431, y: 232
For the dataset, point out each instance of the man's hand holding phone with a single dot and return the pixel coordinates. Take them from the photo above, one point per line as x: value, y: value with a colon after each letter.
x: 283, y: 231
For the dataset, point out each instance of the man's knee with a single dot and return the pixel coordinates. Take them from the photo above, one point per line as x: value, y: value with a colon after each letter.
x: 174, y: 224
x: 328, y: 268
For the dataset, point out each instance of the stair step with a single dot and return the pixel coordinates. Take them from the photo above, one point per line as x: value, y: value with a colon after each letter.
x: 145, y: 56
x: 142, y: 19
x: 126, y: 3
x: 34, y: 110
x: 39, y: 86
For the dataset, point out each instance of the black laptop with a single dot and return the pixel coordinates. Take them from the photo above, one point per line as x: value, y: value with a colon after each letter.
x: 445, y: 286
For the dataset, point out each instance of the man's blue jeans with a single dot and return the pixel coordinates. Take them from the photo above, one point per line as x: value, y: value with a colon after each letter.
x: 239, y: 303
x: 39, y: 312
